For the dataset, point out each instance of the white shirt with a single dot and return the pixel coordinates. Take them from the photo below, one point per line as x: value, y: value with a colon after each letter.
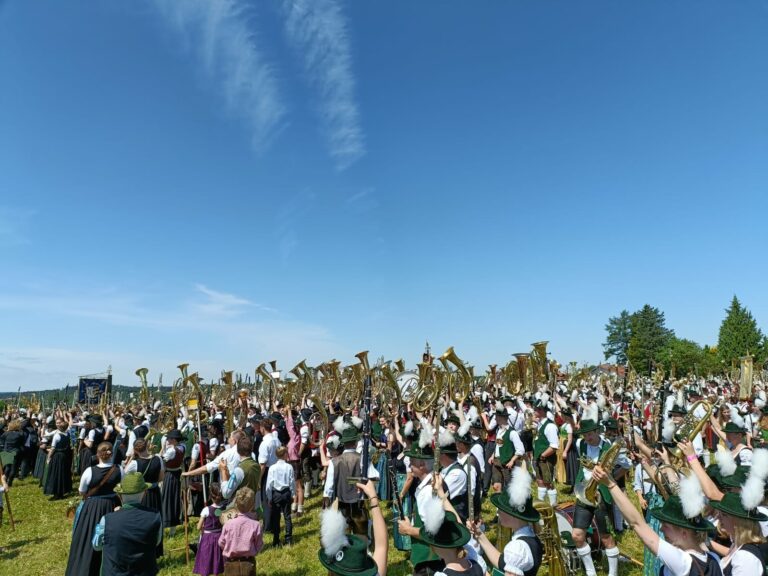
x: 267, y: 450
x: 477, y: 452
x: 517, y: 555
x: 455, y: 479
x: 132, y: 466
x: 643, y: 482
x: 743, y: 563
x: 462, y: 460
x: 280, y: 476
x: 677, y: 562
x: 229, y: 455
x: 550, y: 432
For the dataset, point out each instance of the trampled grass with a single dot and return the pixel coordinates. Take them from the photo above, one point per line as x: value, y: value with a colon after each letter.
x: 40, y: 543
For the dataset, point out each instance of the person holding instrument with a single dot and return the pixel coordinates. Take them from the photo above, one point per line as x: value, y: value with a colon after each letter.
x: 682, y: 549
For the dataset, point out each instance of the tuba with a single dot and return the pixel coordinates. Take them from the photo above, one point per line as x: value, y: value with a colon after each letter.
x: 144, y: 395
x: 523, y: 359
x: 586, y: 493
x: 429, y: 387
x: 549, y: 533
x: 539, y: 358
x: 461, y: 382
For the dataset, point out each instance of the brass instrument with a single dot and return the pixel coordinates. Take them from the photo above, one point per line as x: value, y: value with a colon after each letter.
x: 408, y: 383
x: 539, y: 362
x: 400, y: 365
x: 549, y: 534
x: 390, y: 390
x: 460, y: 384
x: 228, y: 399
x: 587, y: 493
x: 144, y: 394
x: 319, y: 419
x: 664, y: 485
x: 523, y: 360
x: 689, y: 429
x: 746, y: 377
x: 429, y: 389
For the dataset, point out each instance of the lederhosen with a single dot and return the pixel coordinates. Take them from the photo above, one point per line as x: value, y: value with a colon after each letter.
x: 540, y: 445
x: 584, y: 514
x: 537, y: 551
x: 458, y: 501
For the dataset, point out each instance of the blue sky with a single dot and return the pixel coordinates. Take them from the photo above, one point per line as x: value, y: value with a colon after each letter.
x: 227, y: 182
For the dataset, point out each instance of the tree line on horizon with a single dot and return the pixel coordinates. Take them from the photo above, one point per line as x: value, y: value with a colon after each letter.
x: 643, y: 340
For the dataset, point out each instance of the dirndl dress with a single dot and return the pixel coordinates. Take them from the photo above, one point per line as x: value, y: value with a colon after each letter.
x: 402, y: 542
x: 58, y: 476
x: 209, y: 559
x: 171, y: 509
x: 83, y: 559
x: 150, y: 469
x: 383, y: 488
x: 39, y: 470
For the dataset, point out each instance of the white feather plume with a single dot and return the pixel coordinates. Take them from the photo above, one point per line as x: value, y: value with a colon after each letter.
x: 544, y: 398
x: 433, y: 514
x: 691, y: 496
x: 472, y: 414
x: 600, y: 401
x: 464, y: 428
x: 725, y: 461
x: 333, y: 527
x: 759, y: 402
x: 357, y: 422
x: 574, y: 395
x: 340, y: 425
x: 735, y: 416
x: 519, y: 487
x: 680, y: 398
x: 408, y: 428
x: 499, y: 406
x: 753, y: 492
x: 333, y: 442
x: 591, y: 412
x: 669, y: 403
x: 668, y: 430
x: 446, y: 438
x: 452, y: 405
x: 427, y: 433
x: 759, y: 468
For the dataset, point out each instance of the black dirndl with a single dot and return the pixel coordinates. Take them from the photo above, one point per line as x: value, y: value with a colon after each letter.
x: 83, y: 559
x: 58, y: 480
x: 39, y: 470
x: 150, y: 468
x: 171, y: 499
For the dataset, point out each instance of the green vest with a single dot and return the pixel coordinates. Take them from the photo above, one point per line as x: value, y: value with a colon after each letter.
x: 604, y: 446
x: 251, y: 475
x: 507, y: 449
x: 541, y: 443
x: 420, y: 550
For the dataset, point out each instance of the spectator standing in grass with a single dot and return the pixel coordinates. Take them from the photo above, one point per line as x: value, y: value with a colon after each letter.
x: 280, y: 490
x: 241, y: 538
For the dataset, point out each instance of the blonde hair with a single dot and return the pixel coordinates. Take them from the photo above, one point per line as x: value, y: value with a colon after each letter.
x: 745, y: 532
x: 14, y: 426
x: 245, y: 499
x: 281, y: 452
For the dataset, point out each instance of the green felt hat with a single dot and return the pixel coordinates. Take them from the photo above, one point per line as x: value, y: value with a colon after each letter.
x: 523, y: 511
x: 713, y: 471
x: 466, y: 439
x: 452, y: 419
x: 350, y: 434
x: 611, y: 424
x: 132, y: 483
x: 507, y: 399
x: 418, y: 453
x: 731, y: 428
x: 672, y: 513
x: 451, y: 534
x: 731, y: 504
x: 737, y: 479
x: 678, y: 410
x: 588, y: 426
x: 352, y: 560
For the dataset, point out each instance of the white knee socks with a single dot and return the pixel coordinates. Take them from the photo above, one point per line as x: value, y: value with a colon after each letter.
x: 613, y: 561
x: 541, y: 492
x: 585, y: 553
x: 552, y: 495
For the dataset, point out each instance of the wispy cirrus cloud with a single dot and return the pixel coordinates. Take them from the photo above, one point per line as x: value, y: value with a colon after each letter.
x: 318, y: 30
x: 224, y: 304
x: 222, y: 34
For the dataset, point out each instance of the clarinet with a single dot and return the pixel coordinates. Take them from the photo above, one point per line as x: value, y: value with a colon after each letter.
x: 366, y: 427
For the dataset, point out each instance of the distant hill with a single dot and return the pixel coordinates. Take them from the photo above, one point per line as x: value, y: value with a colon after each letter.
x: 50, y: 397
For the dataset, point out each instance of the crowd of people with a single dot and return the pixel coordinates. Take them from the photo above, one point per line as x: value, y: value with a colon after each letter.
x: 691, y: 451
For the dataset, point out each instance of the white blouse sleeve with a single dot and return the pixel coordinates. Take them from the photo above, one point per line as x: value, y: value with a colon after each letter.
x: 85, y: 479
x: 676, y: 561
x: 517, y: 557
x: 745, y: 564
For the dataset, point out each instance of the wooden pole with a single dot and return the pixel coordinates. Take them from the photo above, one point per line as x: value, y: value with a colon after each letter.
x: 186, y: 525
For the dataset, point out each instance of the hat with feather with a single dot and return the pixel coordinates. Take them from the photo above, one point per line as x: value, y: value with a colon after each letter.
x: 348, y: 428
x: 684, y: 508
x: 501, y: 410
x: 447, y: 443
x: 343, y: 554
x: 422, y: 450
x: 449, y: 533
x: 516, y: 500
x: 752, y: 481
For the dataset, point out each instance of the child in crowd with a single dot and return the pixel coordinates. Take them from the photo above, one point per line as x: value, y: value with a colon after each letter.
x: 209, y: 560
x: 241, y: 538
x: 280, y: 491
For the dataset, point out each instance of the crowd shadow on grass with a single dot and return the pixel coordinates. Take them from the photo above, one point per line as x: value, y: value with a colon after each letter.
x: 12, y: 550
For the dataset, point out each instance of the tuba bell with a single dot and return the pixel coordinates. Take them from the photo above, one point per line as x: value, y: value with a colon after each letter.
x: 461, y: 382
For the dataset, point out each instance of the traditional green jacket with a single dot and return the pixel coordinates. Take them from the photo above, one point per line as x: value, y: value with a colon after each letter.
x: 604, y: 446
x: 507, y: 449
x: 541, y: 443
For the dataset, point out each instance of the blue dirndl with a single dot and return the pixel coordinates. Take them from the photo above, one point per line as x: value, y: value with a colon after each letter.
x: 382, y: 464
x: 651, y: 564
x: 401, y: 542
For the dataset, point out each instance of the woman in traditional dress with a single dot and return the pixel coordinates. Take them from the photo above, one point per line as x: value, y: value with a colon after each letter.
x: 42, y: 454
x: 684, y: 529
x: 152, y: 469
x: 173, y: 455
x: 59, y: 474
x: 97, y: 487
x: 405, y: 437
x: 569, y: 455
x: 383, y: 444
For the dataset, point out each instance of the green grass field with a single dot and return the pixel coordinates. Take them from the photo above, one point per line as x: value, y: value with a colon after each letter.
x: 40, y: 543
